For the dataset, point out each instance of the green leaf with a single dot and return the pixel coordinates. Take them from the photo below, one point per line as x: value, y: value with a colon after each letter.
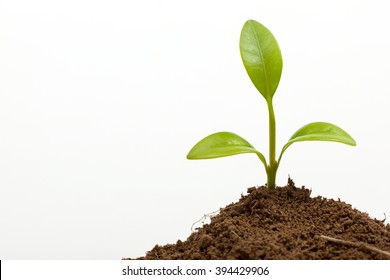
x: 222, y: 144
x: 320, y: 131
x: 261, y: 56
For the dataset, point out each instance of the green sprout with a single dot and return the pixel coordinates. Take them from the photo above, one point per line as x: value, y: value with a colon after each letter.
x: 263, y: 62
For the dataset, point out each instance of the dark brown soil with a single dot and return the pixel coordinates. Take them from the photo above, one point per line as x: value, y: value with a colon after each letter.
x: 285, y: 223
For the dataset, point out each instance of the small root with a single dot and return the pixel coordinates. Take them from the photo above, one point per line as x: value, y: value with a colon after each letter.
x: 355, y: 244
x: 203, y: 219
x: 384, y: 220
x: 232, y: 231
x: 253, y: 207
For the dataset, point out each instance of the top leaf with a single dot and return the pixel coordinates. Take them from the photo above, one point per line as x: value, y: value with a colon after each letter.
x: 261, y: 56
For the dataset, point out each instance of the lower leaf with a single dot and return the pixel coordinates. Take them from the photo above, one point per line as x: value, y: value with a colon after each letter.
x: 319, y: 131
x: 222, y: 144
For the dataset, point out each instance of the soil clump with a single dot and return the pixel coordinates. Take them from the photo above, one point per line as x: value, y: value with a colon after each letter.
x: 285, y: 223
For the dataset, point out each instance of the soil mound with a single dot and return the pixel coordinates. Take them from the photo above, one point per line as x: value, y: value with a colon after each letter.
x: 285, y: 223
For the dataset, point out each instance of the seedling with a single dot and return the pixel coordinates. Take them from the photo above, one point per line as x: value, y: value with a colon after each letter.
x: 263, y: 62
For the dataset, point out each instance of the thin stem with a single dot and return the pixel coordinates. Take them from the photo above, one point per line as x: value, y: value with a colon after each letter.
x: 273, y: 165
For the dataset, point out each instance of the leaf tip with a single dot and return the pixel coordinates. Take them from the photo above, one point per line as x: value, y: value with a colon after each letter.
x: 190, y: 154
x: 353, y: 142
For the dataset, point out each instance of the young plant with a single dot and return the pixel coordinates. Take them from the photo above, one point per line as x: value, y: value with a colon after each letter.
x: 263, y: 62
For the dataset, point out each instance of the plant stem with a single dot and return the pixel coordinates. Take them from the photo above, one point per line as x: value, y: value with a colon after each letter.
x: 273, y: 165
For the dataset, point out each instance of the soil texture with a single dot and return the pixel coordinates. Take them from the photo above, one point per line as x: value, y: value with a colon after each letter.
x: 285, y: 223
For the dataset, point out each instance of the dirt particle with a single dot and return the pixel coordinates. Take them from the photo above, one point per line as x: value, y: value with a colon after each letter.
x: 204, y: 241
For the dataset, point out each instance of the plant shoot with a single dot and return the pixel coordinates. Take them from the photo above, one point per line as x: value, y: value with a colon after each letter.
x: 263, y: 62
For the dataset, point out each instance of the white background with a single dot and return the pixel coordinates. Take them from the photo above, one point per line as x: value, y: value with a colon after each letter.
x: 100, y: 101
